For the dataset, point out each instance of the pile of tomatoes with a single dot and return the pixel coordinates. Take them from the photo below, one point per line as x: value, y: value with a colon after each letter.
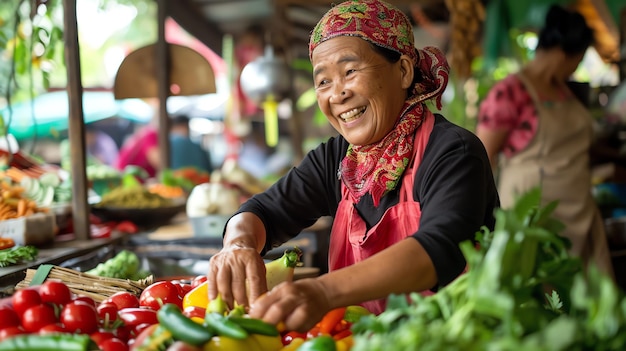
x: 112, y: 324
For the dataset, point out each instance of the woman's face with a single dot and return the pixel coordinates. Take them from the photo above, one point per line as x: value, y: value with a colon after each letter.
x: 358, y: 90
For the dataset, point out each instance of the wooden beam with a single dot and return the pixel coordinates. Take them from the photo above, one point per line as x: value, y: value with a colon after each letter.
x: 163, y: 88
x: 190, y: 17
x: 76, y: 124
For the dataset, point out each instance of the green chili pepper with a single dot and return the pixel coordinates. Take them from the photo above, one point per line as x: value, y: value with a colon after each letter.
x: 319, y: 343
x: 224, y: 326
x: 182, y: 327
x: 48, y: 342
x: 255, y: 326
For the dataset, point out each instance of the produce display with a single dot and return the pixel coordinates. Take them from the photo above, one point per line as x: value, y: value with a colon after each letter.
x: 51, y: 316
x: 15, y: 204
x: 522, y: 292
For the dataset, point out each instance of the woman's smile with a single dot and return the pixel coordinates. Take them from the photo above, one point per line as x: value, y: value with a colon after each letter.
x: 353, y: 114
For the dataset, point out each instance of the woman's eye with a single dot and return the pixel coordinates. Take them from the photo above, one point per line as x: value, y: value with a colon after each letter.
x: 350, y: 71
x: 322, y: 82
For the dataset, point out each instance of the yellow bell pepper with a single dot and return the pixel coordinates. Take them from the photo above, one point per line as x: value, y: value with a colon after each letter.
x: 198, y: 296
x: 267, y: 343
x: 224, y: 343
x: 345, y: 344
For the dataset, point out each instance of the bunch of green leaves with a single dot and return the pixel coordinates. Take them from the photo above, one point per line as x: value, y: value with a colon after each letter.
x: 522, y: 292
x: 125, y: 265
x: 17, y: 254
x: 168, y: 178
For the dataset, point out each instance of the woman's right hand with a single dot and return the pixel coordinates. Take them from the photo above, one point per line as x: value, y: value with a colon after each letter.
x: 237, y: 272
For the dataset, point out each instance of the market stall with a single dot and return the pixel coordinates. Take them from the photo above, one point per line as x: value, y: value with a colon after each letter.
x: 129, y: 273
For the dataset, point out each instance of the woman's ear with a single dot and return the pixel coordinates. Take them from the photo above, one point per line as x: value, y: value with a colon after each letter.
x: 407, y: 71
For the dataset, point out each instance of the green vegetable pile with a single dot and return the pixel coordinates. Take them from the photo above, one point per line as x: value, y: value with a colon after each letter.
x: 522, y: 292
x: 17, y: 254
x: 124, y: 265
x: 133, y: 197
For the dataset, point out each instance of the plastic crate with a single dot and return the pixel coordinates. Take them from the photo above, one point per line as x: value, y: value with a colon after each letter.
x: 37, y: 229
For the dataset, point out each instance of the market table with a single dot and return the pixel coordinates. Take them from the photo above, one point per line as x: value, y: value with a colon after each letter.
x: 56, y: 253
x: 173, y: 250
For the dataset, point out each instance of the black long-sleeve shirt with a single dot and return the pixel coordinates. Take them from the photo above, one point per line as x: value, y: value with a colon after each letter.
x: 453, y: 184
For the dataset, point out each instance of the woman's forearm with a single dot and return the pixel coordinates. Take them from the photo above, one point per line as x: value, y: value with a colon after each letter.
x: 402, y: 268
x: 245, y: 230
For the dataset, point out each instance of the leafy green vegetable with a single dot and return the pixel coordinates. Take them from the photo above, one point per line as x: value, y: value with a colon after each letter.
x: 501, y: 302
x: 124, y: 265
x: 17, y: 254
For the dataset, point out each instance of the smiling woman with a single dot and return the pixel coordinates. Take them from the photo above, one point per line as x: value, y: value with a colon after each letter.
x: 404, y: 185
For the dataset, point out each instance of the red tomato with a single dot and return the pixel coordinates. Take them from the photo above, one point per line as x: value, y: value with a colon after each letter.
x: 86, y: 299
x: 160, y: 293
x: 8, y: 317
x: 10, y: 331
x: 198, y: 280
x: 134, y: 316
x: 123, y: 333
x: 139, y: 328
x: 37, y: 317
x: 99, y: 336
x: 100, y: 231
x: 113, y: 344
x: 52, y: 329
x: 139, y: 340
x: 107, y: 313
x: 127, y: 227
x: 289, y: 336
x: 24, y: 299
x: 55, y: 292
x: 183, y: 288
x: 194, y: 311
x: 123, y: 299
x: 79, y: 317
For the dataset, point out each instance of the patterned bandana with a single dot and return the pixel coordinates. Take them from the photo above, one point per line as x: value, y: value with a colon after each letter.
x: 378, y: 168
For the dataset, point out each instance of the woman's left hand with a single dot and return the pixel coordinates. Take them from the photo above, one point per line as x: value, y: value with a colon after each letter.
x: 298, y: 304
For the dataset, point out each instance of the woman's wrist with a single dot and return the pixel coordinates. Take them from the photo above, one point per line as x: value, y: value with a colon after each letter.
x: 245, y: 231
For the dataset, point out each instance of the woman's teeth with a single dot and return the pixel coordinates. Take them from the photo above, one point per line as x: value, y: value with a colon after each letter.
x: 352, y: 114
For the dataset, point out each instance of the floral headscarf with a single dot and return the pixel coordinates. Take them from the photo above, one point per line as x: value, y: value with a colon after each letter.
x: 377, y: 168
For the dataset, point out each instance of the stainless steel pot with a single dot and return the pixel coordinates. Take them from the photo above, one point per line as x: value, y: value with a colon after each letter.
x: 264, y: 77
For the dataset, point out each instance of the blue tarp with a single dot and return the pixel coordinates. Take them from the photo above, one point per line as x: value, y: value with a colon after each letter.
x: 48, y: 113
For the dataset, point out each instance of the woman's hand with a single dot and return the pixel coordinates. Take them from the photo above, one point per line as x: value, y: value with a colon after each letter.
x: 237, y: 273
x: 298, y: 304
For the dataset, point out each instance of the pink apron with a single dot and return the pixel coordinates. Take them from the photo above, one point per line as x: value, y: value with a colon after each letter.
x: 351, y: 242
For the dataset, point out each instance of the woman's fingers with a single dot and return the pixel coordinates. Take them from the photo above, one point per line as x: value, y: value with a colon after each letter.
x: 297, y: 304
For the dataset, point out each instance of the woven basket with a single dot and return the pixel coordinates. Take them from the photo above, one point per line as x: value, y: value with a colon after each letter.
x: 98, y: 288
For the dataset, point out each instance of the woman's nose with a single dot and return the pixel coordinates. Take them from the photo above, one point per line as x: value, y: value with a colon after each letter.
x: 339, y: 95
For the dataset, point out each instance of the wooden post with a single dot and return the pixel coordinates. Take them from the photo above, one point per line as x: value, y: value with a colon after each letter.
x: 76, y: 128
x: 163, y: 74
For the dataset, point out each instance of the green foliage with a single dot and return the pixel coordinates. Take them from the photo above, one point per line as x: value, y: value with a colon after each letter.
x: 124, y: 265
x: 501, y: 304
x: 17, y: 254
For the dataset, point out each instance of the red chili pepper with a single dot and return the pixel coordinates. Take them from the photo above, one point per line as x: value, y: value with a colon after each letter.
x: 127, y: 227
x: 330, y: 320
x: 313, y: 332
x: 342, y: 334
x: 100, y: 231
x: 341, y: 326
